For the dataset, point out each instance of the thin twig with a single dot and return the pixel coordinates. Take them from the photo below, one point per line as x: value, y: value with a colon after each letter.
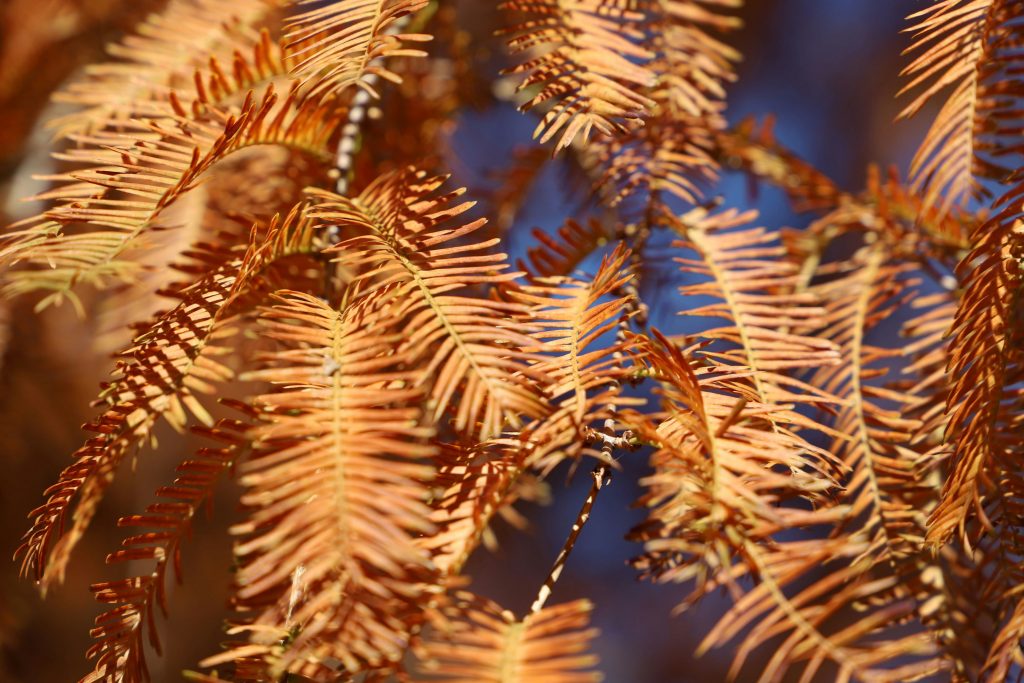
x: 600, y: 476
x: 345, y: 155
x: 638, y: 235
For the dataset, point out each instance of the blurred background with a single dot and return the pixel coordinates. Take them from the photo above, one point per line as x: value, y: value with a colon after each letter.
x: 826, y: 69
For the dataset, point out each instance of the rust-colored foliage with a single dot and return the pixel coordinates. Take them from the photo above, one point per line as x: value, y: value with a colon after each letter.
x: 971, y: 51
x: 484, y: 643
x: 263, y: 185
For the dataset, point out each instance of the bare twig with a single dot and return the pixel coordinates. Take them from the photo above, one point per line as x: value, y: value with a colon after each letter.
x: 636, y: 235
x: 600, y: 476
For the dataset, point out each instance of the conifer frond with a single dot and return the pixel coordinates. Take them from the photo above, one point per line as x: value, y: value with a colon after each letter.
x: 702, y: 521
x: 580, y: 375
x: 721, y: 498
x: 672, y: 152
x: 477, y: 483
x: 569, y: 317
x: 984, y: 364
x: 993, y: 588
x: 249, y: 188
x: 913, y: 224
x: 162, y: 373
x: 973, y: 46
x: 341, y: 43
x: 482, y: 643
x: 927, y: 344
x: 814, y: 631
x: 713, y: 485
x: 666, y: 155
x: 561, y: 254
x: 255, y: 66
x: 894, y: 445
x: 409, y: 248
x: 885, y: 492
x: 1007, y: 650
x: 857, y: 499
x: 337, y: 489
x: 980, y: 505
x: 882, y: 485
x: 746, y: 271
x: 120, y: 652
x: 201, y: 212
x: 591, y: 68
x: 696, y: 65
x: 150, y: 64
x: 163, y: 370
x: 135, y: 177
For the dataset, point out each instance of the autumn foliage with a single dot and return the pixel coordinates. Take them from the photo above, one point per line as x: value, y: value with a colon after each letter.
x: 254, y: 207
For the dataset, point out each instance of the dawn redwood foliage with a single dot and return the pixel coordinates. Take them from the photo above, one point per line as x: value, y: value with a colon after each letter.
x: 260, y: 191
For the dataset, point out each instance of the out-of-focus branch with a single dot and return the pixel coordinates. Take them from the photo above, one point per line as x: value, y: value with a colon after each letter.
x: 41, y: 43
